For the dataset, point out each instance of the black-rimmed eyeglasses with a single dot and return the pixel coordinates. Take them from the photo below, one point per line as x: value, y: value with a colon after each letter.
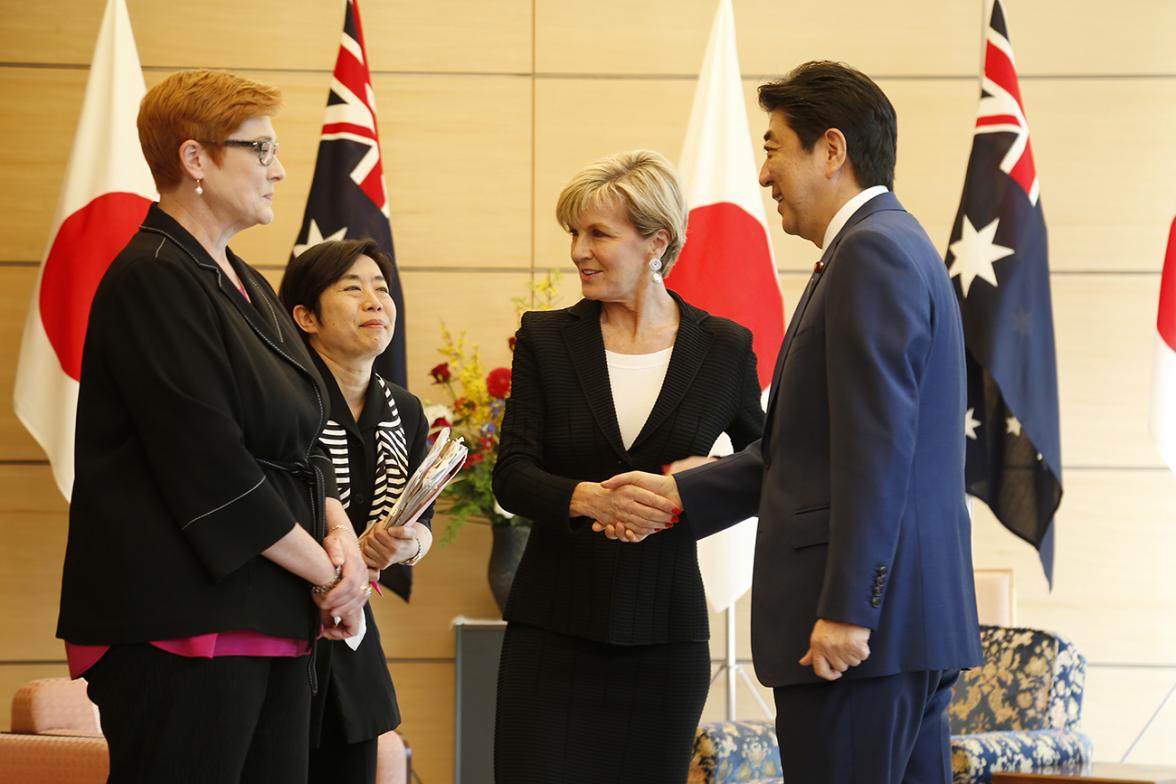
x: 266, y: 149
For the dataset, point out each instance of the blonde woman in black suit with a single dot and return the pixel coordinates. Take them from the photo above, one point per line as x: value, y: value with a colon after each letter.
x: 605, y: 662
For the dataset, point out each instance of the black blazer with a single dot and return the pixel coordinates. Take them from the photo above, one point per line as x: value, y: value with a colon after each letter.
x: 560, y: 429
x: 356, y: 699
x: 195, y: 450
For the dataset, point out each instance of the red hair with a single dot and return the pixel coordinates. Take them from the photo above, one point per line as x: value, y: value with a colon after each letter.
x: 202, y: 105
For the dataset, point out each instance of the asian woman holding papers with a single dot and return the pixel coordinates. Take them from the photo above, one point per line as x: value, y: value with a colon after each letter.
x: 605, y: 663
x: 376, y: 435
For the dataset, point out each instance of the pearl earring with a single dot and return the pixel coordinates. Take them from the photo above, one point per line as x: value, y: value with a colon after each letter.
x: 655, y: 266
x: 199, y: 187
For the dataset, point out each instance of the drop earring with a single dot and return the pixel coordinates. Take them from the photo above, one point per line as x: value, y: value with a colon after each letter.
x: 655, y: 266
x: 199, y: 187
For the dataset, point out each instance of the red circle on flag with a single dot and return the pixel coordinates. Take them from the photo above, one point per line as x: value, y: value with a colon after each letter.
x: 726, y: 269
x: 86, y: 243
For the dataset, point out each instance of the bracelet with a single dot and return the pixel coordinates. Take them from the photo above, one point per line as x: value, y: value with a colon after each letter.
x: 416, y: 557
x: 326, y: 587
x: 340, y: 525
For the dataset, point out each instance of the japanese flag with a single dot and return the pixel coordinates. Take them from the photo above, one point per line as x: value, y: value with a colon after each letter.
x: 106, y: 193
x: 726, y: 267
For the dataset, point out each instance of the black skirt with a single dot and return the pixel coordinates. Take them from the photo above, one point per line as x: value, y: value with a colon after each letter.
x: 571, y: 710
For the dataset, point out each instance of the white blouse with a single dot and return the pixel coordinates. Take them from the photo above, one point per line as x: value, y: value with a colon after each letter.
x: 636, y: 381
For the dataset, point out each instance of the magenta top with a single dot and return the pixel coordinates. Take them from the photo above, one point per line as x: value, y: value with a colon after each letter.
x: 200, y: 646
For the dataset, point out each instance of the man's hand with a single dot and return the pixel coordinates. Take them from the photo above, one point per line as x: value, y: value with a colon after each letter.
x: 633, y: 511
x: 834, y: 647
x: 649, y: 491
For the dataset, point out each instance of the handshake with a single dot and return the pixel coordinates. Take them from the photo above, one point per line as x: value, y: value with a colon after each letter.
x: 631, y: 506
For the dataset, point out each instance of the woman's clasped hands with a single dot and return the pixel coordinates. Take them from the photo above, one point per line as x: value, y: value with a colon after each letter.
x: 341, y: 606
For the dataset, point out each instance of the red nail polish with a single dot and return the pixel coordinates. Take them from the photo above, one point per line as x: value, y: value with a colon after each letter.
x: 675, y: 519
x: 677, y: 511
x: 665, y: 469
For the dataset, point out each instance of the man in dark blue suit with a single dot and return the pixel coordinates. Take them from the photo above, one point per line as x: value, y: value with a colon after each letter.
x: 863, y: 605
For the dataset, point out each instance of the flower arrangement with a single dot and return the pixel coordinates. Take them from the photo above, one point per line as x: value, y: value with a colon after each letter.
x: 477, y: 401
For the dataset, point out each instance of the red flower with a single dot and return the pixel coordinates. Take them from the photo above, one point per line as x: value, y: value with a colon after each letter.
x: 440, y: 373
x: 487, y: 443
x: 498, y: 382
x: 511, y: 342
x: 473, y: 459
x: 439, y: 422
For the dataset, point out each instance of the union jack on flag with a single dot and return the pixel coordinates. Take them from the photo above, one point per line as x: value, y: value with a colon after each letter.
x: 1001, y: 108
x: 348, y: 197
x: 998, y: 261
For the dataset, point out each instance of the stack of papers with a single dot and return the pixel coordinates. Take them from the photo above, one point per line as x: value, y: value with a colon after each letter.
x: 440, y: 467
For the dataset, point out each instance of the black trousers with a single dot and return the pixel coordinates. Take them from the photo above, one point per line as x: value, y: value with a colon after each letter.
x: 339, y: 762
x: 889, y: 730
x: 573, y: 711
x: 223, y: 720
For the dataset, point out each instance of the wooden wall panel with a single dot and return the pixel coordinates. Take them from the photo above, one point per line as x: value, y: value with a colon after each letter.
x: 1111, y: 212
x: 580, y: 120
x: 1105, y: 331
x: 449, y: 35
x: 426, y: 693
x: 1106, y: 173
x: 928, y: 38
x: 614, y: 37
x: 446, y: 584
x: 452, y: 203
x: 33, y: 523
x: 41, y: 109
x: 1114, y: 588
x: 58, y: 32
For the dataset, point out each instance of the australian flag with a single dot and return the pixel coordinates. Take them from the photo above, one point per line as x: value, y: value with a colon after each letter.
x: 348, y: 198
x: 998, y: 261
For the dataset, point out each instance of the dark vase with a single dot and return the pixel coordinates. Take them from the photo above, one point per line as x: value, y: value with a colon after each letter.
x: 509, y: 543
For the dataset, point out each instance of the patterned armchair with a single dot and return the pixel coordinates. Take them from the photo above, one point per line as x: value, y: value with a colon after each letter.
x: 1020, y: 711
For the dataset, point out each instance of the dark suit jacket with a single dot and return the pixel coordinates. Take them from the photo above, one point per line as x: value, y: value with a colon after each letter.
x: 859, y: 478
x: 560, y: 429
x: 192, y: 401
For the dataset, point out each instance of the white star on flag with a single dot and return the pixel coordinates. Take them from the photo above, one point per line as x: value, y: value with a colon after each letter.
x: 1014, y: 426
x: 970, y: 424
x: 314, y: 236
x: 975, y: 252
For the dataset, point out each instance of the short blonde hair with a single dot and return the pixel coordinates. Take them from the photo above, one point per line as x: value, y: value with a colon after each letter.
x: 645, y: 183
x: 202, y: 105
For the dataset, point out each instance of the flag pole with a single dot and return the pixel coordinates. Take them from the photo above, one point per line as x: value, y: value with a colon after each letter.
x: 734, y: 670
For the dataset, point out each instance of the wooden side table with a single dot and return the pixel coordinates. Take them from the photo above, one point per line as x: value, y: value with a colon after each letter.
x: 1100, y: 773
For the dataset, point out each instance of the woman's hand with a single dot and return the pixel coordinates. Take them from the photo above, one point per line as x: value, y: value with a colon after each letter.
x: 352, y: 590
x: 347, y: 626
x: 381, y: 547
x: 633, y: 508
